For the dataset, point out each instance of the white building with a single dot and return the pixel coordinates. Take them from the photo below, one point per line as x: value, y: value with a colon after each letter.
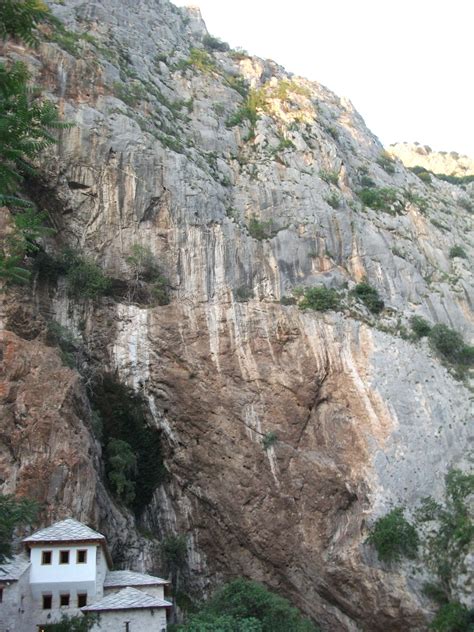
x: 66, y: 570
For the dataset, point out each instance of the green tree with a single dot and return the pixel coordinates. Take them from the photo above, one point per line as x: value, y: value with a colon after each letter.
x: 121, y: 468
x: 19, y: 18
x: 210, y: 622
x: 449, y: 530
x: 245, y: 600
x: 13, y: 512
x: 26, y: 122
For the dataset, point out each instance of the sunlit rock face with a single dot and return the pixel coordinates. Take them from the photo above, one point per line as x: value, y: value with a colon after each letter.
x: 355, y: 419
x: 449, y: 163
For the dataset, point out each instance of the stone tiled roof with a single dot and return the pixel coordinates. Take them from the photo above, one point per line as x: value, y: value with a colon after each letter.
x: 127, y: 599
x: 13, y: 569
x: 68, y: 530
x: 131, y: 578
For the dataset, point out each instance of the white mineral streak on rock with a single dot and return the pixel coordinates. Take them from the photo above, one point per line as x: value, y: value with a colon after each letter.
x: 131, y: 348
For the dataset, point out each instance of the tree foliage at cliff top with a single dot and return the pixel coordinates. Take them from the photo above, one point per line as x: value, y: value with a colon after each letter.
x: 246, y: 606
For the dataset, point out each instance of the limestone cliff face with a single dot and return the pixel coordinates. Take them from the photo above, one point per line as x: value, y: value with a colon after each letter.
x: 364, y: 419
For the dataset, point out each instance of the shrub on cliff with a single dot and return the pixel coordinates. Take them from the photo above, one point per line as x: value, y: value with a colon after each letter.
x: 457, y: 251
x: 394, y: 537
x: 380, y: 199
x: 387, y: 162
x: 369, y: 296
x: 260, y: 230
x: 86, y: 280
x: 420, y: 327
x: 147, y: 283
x: 320, y: 299
x: 451, y: 346
x: 213, y: 43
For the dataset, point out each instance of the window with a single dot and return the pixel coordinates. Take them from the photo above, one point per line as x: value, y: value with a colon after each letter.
x: 1, y: 595
x: 64, y: 600
x: 46, y: 557
x: 81, y: 556
x: 81, y: 600
x: 64, y: 557
x: 47, y: 602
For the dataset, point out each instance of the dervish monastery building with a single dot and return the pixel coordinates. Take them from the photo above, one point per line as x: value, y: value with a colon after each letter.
x: 66, y: 570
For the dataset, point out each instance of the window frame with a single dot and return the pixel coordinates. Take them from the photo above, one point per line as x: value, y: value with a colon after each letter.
x: 47, y: 596
x: 79, y: 595
x: 68, y: 597
x: 78, y: 552
x: 48, y: 552
x: 61, y: 552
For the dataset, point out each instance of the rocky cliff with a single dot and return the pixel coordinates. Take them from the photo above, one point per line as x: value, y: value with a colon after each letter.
x: 442, y: 162
x: 284, y: 431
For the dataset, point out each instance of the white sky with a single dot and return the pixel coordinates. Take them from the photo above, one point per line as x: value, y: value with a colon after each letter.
x: 407, y: 65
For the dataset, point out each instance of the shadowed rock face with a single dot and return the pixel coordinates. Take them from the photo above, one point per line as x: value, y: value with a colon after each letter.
x: 364, y: 420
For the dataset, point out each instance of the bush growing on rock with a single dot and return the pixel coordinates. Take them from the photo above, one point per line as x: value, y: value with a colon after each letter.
x: 378, y: 198
x: 213, y: 43
x: 147, y: 283
x: 451, y: 346
x: 260, y: 230
x: 85, y: 279
x: 369, y: 296
x: 457, y: 251
x: 333, y: 200
x: 386, y: 161
x: 256, y: 100
x: 269, y: 439
x: 330, y: 177
x: 243, y: 293
x: 420, y: 327
x: 320, y: 299
x: 394, y: 537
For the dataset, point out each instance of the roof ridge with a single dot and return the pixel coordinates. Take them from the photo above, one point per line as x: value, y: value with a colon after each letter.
x: 128, y: 598
x: 65, y: 530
